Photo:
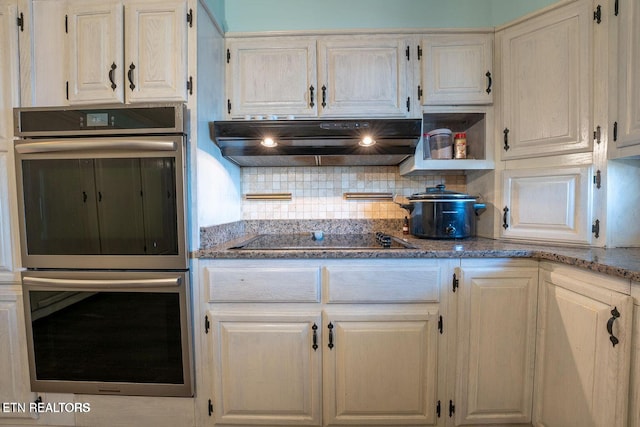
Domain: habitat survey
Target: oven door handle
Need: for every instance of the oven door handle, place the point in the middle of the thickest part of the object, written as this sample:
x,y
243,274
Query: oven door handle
x,y
103,284
94,145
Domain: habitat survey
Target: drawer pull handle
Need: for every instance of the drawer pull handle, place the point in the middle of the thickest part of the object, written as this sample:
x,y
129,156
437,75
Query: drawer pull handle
x,y
315,337
330,327
312,103
324,96
112,76
614,315
490,83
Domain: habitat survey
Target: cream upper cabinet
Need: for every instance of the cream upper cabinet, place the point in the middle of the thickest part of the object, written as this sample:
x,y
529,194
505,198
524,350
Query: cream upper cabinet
x,y
380,366
8,70
130,53
271,76
155,51
546,83
548,204
456,69
497,302
267,368
95,51
583,349
332,76
363,76
627,132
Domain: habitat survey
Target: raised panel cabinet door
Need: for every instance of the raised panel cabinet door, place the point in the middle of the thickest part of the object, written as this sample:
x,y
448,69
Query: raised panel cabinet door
x,y
496,344
8,71
546,76
156,51
14,372
457,69
95,41
548,204
363,76
266,369
272,76
582,374
634,396
380,368
628,129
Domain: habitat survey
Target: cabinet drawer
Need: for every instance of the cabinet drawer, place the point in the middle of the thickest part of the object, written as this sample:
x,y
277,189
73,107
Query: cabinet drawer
x,y
227,284
382,285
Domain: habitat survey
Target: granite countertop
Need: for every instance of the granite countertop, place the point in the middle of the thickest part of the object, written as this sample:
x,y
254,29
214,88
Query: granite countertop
x,y
619,262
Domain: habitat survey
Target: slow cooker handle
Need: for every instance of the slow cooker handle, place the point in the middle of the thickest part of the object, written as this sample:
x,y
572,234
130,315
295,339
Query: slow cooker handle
x,y
408,206
479,208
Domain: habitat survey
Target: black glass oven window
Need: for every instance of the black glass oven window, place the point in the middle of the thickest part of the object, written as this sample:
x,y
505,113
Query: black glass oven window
x,y
114,206
107,336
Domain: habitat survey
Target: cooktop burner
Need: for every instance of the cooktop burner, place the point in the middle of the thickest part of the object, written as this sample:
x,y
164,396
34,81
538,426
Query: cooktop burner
x,y
328,241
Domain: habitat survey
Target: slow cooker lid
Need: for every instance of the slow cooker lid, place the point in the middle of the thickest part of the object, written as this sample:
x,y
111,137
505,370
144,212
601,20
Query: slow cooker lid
x,y
439,192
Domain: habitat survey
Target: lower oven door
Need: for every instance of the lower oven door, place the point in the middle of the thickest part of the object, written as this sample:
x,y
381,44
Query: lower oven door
x,y
123,333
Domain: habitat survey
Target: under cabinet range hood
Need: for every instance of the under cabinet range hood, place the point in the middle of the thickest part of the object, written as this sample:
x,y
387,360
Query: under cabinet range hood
x,y
344,142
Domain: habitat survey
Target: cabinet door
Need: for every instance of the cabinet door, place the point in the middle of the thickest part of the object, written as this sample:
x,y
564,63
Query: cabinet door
x,y
629,75
14,373
8,71
496,343
95,51
156,51
548,204
266,369
581,375
363,76
272,76
380,368
546,72
457,69
634,396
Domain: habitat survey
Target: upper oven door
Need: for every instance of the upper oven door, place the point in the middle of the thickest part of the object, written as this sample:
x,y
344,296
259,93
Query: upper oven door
x,y
102,203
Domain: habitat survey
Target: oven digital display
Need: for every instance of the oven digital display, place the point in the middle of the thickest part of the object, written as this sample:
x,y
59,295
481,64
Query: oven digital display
x,y
97,119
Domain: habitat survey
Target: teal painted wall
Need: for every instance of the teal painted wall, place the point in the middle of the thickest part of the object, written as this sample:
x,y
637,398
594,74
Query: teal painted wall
x,y
290,15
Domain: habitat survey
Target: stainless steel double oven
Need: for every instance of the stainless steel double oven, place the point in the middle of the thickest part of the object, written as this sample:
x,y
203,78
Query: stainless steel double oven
x,y
101,199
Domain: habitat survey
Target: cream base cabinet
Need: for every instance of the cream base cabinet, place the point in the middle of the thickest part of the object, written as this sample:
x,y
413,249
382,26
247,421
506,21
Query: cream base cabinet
x,y
627,137
546,83
271,76
457,69
634,395
380,366
266,368
136,52
364,76
548,204
583,349
497,301
14,371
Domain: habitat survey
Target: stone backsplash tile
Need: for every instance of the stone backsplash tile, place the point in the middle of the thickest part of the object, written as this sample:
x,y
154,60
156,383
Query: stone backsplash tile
x,y
318,192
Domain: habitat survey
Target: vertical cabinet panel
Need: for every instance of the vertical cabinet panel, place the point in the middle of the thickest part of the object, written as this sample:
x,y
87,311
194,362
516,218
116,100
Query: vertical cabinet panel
x,y
8,71
629,75
581,377
381,368
273,76
363,76
14,374
95,51
6,256
548,204
455,68
634,396
496,344
546,71
156,46
266,370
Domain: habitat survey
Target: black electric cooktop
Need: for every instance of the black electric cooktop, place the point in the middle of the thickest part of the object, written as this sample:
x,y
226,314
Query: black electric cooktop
x,y
328,241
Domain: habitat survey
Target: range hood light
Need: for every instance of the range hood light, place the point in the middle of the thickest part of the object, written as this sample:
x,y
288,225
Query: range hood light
x,y
269,142
367,141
